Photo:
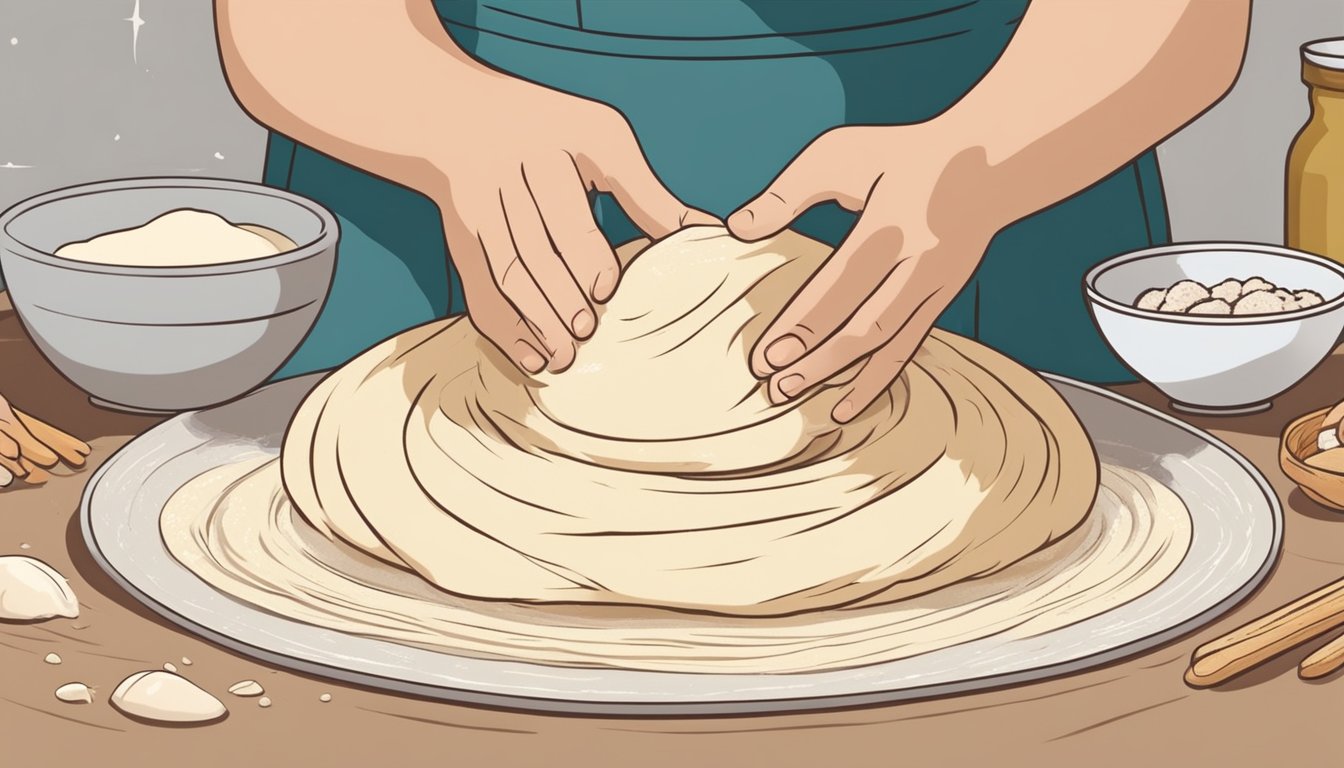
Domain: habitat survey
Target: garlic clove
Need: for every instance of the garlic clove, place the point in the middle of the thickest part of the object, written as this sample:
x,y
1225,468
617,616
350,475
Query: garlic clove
x,y
166,697
1327,440
31,590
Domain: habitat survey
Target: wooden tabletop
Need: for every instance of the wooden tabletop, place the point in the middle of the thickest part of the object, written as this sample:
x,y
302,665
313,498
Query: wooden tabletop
x,y
1136,711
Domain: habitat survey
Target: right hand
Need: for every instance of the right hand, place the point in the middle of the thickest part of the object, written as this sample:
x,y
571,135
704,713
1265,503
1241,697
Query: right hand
x,y
513,186
29,447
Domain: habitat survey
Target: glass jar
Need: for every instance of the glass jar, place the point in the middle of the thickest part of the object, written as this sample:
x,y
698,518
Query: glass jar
x,y
1315,186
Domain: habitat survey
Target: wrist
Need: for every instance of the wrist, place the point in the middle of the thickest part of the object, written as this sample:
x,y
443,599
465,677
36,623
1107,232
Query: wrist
x,y
969,180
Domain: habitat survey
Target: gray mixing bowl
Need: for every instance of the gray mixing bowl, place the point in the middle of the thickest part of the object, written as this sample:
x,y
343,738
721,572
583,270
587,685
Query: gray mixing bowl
x,y
166,338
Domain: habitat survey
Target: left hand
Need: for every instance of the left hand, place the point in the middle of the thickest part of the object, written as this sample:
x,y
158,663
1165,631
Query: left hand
x,y
927,213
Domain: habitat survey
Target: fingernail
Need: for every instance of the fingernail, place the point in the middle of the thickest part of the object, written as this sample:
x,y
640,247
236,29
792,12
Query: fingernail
x,y
604,285
528,358
562,358
582,323
844,410
791,384
784,351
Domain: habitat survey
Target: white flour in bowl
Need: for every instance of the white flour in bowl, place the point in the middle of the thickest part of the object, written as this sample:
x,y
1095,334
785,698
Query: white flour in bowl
x,y
180,238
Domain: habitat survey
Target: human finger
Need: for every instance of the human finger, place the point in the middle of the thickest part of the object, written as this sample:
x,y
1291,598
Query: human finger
x,y
487,309
906,303
817,174
849,277
521,290
623,171
886,363
542,262
562,201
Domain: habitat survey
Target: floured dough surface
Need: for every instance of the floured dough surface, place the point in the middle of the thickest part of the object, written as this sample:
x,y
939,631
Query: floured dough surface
x,y
655,471
179,238
650,509
236,529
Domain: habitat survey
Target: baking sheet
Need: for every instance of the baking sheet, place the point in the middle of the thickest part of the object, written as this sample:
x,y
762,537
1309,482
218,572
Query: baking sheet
x,y
1237,520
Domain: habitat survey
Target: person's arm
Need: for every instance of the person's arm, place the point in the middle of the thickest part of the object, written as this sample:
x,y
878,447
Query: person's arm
x,y
382,86
1083,88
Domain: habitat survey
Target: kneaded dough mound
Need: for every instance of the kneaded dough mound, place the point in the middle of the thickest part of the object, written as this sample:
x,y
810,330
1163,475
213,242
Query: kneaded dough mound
x,y
656,472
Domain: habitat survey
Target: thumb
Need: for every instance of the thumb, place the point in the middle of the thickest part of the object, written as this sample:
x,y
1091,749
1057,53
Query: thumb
x,y
795,190
650,205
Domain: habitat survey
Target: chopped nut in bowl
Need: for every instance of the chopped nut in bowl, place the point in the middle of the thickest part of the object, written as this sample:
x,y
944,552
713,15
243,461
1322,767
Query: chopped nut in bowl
x,y
1253,296
1220,328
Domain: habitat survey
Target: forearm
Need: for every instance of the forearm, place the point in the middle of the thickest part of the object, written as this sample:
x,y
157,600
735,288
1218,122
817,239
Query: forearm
x,y
1084,87
340,80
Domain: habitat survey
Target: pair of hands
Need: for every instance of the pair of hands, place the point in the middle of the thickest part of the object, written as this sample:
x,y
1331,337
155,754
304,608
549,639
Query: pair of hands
x,y
29,447
534,263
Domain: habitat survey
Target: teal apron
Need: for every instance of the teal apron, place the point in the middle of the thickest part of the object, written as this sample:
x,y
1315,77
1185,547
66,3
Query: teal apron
x,y
722,94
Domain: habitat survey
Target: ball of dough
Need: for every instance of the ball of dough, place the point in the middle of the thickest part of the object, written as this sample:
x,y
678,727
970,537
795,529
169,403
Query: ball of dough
x,y
1229,290
1258,303
1256,284
1183,295
1211,307
656,472
1151,299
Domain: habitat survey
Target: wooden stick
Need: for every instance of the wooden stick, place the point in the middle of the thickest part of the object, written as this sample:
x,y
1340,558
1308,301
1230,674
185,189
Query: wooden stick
x,y
36,475
1268,636
1325,660
71,449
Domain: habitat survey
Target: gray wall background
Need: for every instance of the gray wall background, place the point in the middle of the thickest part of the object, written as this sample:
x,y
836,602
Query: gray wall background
x,y
85,97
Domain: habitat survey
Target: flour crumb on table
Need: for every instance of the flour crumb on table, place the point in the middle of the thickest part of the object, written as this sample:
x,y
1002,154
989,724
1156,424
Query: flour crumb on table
x,y
166,697
264,702
31,590
25,545
246,688
170,667
324,698
186,662
52,658
75,693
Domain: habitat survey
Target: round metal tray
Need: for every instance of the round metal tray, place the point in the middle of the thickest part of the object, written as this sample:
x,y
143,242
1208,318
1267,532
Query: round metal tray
x,y
1238,526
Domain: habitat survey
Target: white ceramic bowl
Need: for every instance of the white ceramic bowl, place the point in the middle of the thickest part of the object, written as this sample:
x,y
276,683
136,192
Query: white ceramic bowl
x,y
1209,364
166,338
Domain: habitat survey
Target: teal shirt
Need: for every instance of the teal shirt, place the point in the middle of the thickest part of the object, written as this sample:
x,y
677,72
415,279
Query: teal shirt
x,y
722,94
